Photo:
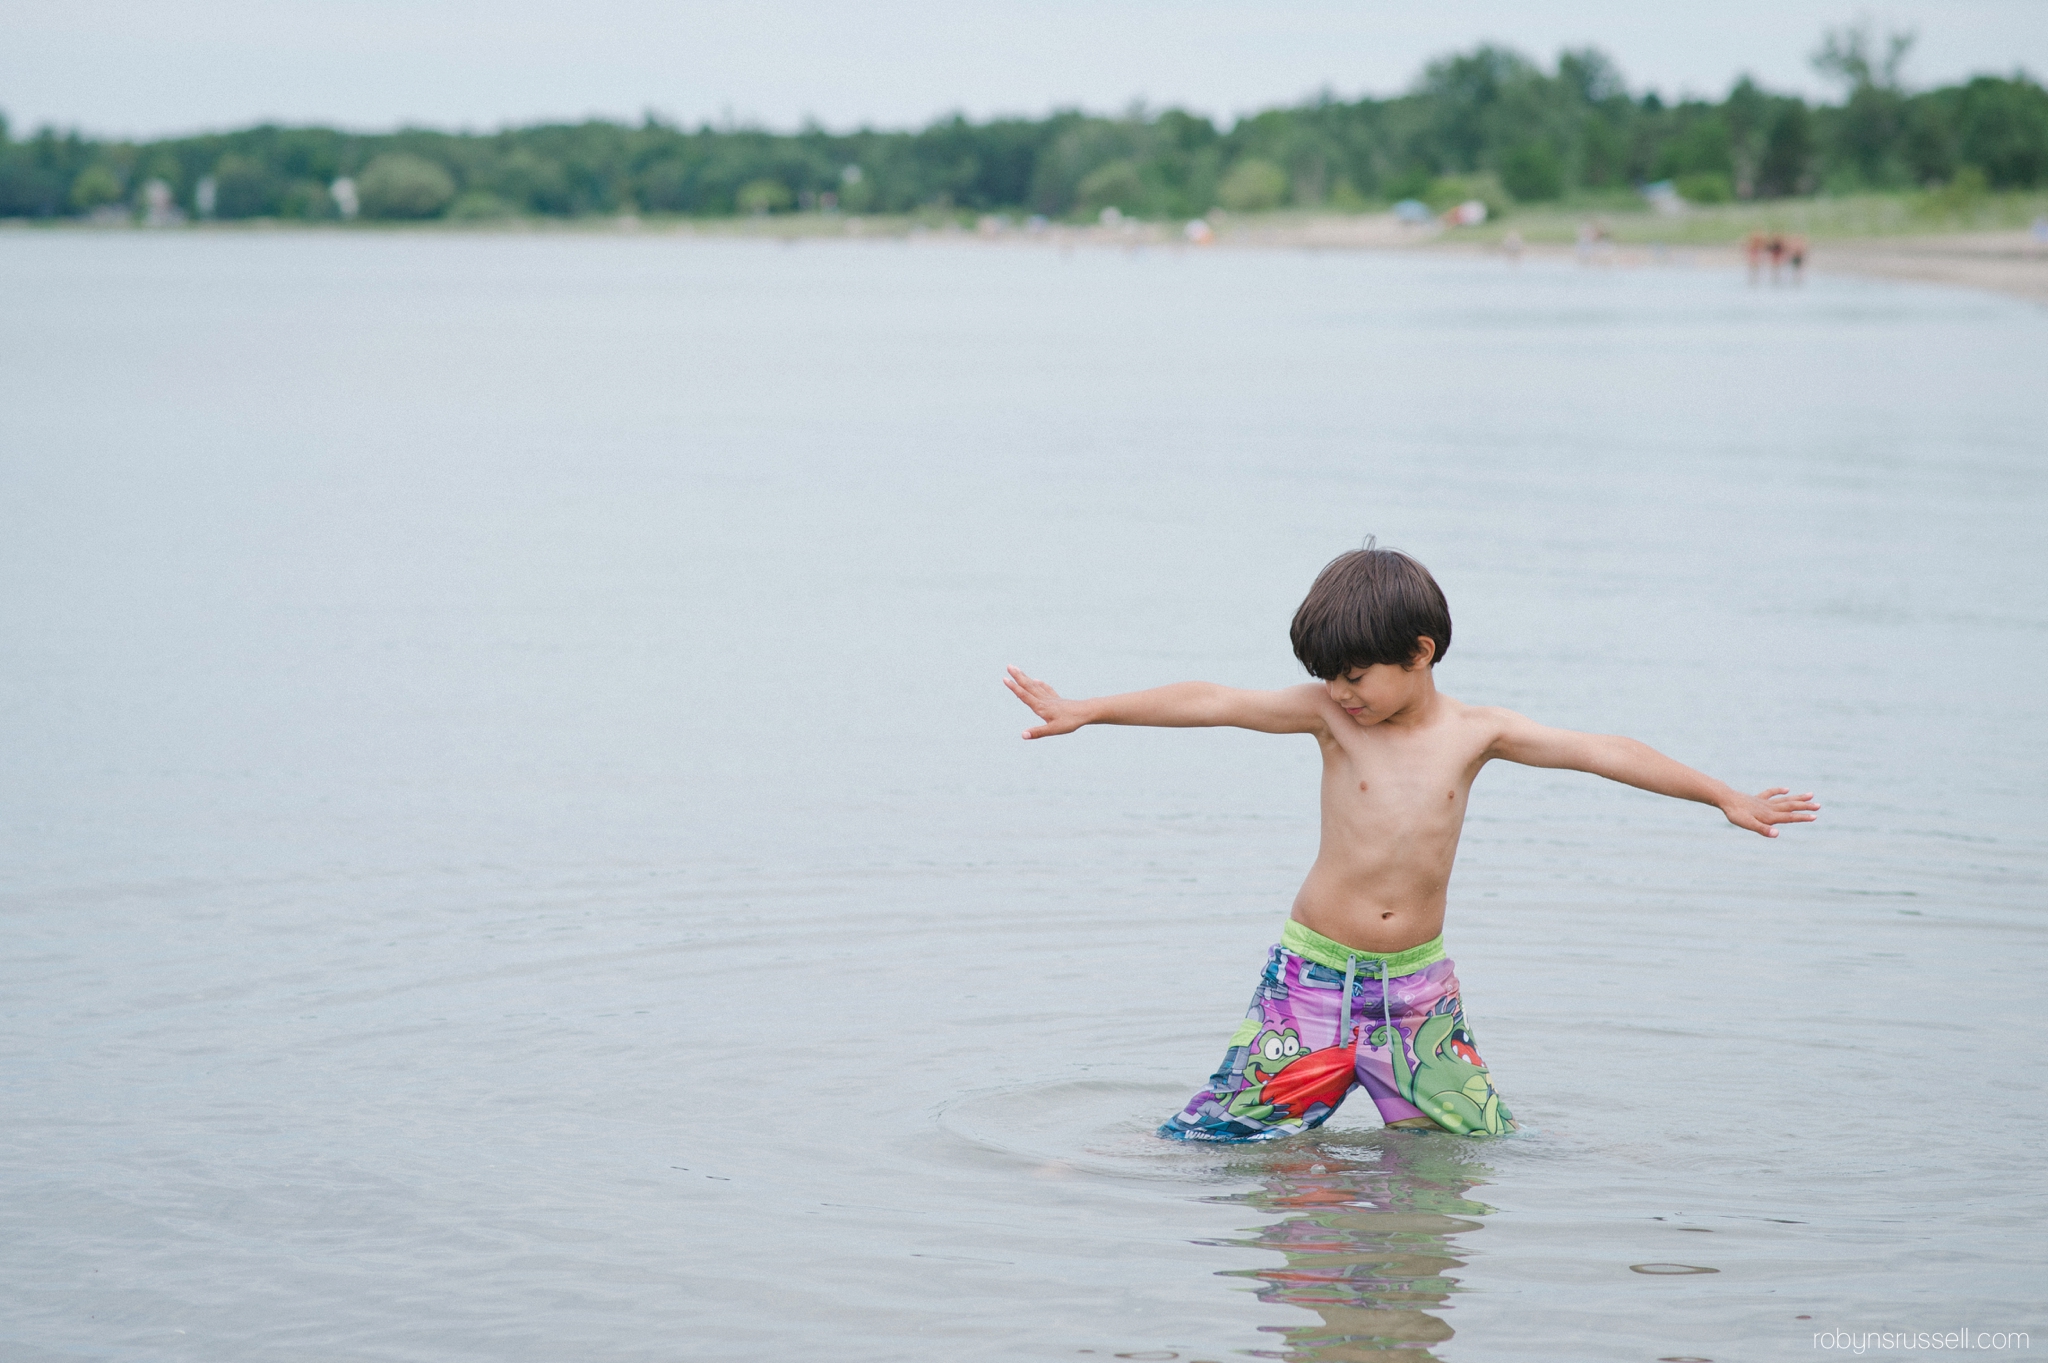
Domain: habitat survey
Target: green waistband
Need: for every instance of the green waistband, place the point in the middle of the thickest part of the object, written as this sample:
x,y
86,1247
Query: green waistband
x,y
1311,945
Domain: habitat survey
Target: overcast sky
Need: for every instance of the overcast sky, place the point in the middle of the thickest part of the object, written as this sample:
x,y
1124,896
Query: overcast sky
x,y
143,67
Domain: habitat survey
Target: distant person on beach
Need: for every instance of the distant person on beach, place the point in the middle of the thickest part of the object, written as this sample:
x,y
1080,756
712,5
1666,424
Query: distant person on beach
x,y
1775,248
1359,991
1795,256
1753,250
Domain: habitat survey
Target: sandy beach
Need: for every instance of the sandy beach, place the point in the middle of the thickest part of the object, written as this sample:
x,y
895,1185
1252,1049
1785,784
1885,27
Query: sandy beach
x,y
2011,262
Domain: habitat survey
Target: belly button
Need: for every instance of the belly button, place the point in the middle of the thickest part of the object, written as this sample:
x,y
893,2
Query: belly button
x,y
1387,915
1361,785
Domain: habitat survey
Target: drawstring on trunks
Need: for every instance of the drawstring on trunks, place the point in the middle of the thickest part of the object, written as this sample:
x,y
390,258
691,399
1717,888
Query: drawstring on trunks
x,y
1344,1026
1386,1003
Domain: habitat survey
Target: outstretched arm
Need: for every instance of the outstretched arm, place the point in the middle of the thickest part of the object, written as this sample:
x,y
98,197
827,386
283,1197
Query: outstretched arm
x,y
1184,705
1640,765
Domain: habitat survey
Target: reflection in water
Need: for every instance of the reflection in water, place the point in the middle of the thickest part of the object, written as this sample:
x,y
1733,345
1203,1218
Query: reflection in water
x,y
1367,1235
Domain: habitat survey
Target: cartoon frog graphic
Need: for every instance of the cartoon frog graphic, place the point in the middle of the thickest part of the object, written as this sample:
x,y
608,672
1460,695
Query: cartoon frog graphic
x,y
1287,1079
1447,1079
1272,1048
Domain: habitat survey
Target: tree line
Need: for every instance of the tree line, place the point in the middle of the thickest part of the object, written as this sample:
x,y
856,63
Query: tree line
x,y
1489,122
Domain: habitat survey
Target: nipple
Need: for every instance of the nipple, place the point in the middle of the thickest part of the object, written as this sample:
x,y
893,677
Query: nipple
x,y
1450,795
1361,785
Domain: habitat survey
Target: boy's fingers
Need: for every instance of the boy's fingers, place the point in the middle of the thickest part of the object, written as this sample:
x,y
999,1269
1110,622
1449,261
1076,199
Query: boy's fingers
x,y
1761,823
1030,697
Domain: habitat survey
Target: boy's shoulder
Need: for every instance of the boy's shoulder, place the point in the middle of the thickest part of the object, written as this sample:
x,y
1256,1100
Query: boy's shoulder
x,y
1465,712
1479,723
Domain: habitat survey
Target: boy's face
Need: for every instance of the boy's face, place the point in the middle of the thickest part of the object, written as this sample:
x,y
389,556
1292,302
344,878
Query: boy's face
x,y
1371,694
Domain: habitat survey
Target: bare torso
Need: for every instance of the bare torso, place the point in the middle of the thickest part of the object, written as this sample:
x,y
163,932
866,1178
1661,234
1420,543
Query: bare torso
x,y
1394,799
1399,757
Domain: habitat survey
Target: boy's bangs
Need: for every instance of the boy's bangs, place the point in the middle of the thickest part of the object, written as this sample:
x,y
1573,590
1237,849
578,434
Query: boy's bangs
x,y
1369,606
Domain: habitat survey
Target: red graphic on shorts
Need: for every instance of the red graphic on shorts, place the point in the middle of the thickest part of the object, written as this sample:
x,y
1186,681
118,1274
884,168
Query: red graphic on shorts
x,y
1318,1077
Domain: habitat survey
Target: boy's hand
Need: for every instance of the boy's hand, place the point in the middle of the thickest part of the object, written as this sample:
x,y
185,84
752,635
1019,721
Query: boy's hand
x,y
1061,716
1758,813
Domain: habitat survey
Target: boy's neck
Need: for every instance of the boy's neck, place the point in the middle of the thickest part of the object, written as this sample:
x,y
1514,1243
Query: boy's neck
x,y
1421,703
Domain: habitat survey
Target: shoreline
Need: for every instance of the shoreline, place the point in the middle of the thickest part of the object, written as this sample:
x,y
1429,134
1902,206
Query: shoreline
x,y
2012,262
2008,261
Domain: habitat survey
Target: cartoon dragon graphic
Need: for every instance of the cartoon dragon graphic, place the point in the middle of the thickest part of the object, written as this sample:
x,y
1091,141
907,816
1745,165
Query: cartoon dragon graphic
x,y
1447,1080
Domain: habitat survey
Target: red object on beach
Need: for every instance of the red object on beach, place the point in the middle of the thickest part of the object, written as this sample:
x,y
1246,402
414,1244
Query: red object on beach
x,y
1319,1077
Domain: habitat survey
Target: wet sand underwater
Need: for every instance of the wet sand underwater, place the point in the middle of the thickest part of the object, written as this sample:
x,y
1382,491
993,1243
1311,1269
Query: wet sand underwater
x,y
517,848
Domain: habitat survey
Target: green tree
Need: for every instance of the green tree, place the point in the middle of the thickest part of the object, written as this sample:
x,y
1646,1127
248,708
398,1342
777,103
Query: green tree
x,y
1704,187
527,181
1252,185
1532,171
306,200
1747,113
479,205
1850,55
1079,147
667,186
1866,132
95,186
1116,185
1787,161
36,175
399,185
244,188
1695,141
2002,128
763,196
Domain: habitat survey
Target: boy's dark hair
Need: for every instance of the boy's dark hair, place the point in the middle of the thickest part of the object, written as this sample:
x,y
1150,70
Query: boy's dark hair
x,y
1369,606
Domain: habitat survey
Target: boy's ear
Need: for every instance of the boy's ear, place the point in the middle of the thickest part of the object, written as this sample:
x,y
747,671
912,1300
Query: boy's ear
x,y
1425,652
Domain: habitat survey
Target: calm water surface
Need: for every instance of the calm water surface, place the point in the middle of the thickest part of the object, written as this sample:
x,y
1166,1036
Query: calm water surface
x,y
514,848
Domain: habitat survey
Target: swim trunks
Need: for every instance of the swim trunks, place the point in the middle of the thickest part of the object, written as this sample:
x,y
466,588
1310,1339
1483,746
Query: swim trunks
x,y
1326,1018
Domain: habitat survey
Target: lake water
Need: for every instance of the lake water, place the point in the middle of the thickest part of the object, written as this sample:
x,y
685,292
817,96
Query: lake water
x,y
515,849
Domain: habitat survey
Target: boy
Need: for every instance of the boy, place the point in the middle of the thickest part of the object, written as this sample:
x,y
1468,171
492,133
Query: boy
x,y
1358,990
